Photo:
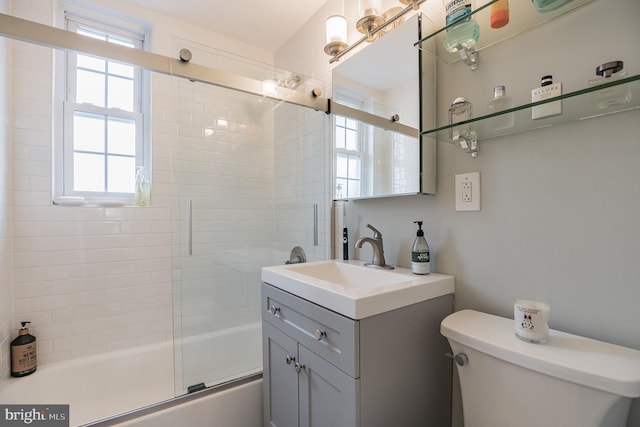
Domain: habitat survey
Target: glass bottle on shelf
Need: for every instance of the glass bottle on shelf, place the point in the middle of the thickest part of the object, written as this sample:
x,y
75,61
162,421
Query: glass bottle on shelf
x,y
543,6
616,95
466,32
501,102
499,14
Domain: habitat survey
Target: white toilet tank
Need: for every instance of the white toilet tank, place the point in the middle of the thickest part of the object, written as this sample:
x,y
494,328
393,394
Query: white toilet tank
x,y
570,381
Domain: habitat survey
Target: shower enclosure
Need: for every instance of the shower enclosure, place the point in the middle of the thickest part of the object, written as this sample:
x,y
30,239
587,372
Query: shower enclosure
x,y
238,179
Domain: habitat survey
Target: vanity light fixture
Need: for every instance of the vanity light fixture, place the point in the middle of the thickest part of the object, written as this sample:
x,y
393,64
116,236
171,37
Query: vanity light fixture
x,y
336,34
389,14
371,18
371,23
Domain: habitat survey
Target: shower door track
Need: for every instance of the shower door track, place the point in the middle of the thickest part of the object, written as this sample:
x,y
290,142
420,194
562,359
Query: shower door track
x,y
179,400
48,36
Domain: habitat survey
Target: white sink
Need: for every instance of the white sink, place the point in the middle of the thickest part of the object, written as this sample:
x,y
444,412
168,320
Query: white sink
x,y
356,291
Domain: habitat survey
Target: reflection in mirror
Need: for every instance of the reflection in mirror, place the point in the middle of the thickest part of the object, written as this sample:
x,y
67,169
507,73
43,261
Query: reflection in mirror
x,y
382,79
373,162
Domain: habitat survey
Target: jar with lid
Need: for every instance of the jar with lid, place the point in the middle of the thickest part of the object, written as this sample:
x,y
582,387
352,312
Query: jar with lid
x,y
609,72
500,102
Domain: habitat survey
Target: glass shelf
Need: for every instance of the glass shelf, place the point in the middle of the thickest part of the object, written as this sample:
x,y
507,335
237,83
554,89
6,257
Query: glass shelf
x,y
576,105
522,16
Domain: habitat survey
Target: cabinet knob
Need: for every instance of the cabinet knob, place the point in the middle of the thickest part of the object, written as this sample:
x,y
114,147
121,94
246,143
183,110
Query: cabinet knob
x,y
298,367
274,310
289,359
318,334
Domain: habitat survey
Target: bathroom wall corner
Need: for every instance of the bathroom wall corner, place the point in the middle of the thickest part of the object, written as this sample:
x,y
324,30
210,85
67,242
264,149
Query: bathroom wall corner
x,y
5,194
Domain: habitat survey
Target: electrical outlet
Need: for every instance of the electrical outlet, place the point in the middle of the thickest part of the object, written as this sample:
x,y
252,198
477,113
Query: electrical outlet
x,y
468,191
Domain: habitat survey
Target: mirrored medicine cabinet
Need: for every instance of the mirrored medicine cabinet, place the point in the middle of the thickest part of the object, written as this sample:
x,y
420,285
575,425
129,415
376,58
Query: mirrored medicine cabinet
x,y
383,96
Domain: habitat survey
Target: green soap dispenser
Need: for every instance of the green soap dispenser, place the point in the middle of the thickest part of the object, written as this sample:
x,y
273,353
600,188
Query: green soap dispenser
x,y
420,255
23,353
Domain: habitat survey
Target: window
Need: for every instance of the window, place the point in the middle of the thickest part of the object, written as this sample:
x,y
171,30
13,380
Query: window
x,y
348,157
103,136
349,148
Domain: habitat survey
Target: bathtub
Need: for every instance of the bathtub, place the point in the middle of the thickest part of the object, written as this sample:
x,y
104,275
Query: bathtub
x,y
114,386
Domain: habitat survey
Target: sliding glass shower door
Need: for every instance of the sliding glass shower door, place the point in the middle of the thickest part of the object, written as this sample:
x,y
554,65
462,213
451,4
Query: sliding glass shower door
x,y
222,173
220,148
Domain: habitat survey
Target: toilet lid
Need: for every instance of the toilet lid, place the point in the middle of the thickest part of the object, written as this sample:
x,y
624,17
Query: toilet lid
x,y
573,358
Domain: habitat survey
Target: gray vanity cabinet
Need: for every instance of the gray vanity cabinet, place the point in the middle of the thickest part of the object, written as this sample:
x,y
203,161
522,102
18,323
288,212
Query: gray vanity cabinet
x,y
281,409
318,395
322,369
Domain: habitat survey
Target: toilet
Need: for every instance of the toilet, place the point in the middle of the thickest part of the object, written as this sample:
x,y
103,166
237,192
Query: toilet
x,y
570,381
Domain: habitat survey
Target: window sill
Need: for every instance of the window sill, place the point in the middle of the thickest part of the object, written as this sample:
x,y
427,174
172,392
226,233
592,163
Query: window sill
x,y
104,203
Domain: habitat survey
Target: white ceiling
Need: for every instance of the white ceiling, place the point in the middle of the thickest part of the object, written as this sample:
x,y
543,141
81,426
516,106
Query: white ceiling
x,y
266,24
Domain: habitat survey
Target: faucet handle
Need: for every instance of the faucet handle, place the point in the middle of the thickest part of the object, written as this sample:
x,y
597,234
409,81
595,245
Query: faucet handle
x,y
376,233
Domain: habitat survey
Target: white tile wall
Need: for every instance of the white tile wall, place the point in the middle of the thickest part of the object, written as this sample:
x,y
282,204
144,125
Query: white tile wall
x,y
6,325
300,182
303,156
225,154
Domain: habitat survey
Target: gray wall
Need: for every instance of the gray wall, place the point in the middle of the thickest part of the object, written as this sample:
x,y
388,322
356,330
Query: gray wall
x,y
560,206
559,222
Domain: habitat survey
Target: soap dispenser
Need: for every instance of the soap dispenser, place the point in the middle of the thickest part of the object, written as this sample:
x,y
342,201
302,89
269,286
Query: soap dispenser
x,y
23,353
420,255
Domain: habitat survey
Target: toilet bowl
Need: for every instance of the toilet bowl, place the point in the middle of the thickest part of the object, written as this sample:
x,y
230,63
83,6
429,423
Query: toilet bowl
x,y
571,381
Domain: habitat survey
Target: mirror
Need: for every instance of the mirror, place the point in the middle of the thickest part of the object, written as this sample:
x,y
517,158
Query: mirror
x,y
384,80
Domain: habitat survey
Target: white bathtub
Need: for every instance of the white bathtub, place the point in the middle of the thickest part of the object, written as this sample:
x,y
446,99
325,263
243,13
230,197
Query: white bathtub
x,y
239,406
103,386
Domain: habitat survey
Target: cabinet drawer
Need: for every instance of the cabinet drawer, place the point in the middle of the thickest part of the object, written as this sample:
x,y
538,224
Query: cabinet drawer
x,y
330,335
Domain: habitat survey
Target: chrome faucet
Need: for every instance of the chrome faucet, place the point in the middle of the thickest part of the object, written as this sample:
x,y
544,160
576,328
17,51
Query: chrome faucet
x,y
378,250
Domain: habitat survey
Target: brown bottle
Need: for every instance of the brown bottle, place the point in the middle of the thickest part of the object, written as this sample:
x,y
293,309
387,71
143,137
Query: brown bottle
x,y
23,353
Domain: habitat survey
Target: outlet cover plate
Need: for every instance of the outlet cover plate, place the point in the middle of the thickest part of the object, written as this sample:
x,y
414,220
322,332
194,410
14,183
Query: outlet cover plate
x,y
468,191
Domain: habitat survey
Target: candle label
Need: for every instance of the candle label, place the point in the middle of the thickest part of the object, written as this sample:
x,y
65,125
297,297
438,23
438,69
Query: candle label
x,y
531,318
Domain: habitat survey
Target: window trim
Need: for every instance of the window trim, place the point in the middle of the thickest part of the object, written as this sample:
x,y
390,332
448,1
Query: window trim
x,y
69,109
353,99
348,153
65,104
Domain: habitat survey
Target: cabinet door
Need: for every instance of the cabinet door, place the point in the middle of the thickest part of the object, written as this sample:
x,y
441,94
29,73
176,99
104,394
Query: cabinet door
x,y
280,379
328,396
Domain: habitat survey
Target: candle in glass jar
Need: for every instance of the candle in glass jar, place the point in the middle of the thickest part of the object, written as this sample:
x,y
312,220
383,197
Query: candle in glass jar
x,y
531,320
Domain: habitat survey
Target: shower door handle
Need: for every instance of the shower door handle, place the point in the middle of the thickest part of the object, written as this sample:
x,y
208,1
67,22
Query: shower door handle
x,y
315,224
190,227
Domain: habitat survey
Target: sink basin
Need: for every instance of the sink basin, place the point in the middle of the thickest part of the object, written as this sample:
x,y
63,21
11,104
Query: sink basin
x,y
356,291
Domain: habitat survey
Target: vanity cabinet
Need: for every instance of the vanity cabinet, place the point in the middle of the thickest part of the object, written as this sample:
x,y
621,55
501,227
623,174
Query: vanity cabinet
x,y
304,387
322,369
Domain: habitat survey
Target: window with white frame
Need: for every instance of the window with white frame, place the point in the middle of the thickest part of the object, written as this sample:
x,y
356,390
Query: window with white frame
x,y
103,137
348,157
349,148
